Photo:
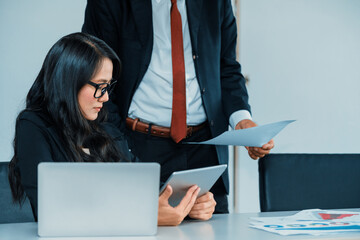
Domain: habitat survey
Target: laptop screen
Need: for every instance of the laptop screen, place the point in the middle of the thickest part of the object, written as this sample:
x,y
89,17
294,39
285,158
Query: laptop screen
x,y
97,199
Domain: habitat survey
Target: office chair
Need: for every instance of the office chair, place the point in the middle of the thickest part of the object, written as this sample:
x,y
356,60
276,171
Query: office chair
x,y
10,212
305,181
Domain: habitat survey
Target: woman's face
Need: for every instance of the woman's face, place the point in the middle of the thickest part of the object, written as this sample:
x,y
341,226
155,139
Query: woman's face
x,y
89,105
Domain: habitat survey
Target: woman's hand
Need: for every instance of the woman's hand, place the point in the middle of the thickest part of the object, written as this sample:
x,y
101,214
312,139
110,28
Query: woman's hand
x,y
204,207
173,216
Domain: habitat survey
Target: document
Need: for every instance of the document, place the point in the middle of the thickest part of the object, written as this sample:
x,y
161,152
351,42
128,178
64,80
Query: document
x,y
312,221
251,137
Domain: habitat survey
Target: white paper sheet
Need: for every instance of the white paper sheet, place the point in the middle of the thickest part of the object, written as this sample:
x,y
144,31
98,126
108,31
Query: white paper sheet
x,y
251,137
312,222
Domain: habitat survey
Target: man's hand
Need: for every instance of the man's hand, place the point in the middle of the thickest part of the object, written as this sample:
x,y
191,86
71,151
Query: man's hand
x,y
173,216
255,152
204,207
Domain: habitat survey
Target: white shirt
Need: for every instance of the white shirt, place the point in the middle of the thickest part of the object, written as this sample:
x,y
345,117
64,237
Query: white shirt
x,y
152,101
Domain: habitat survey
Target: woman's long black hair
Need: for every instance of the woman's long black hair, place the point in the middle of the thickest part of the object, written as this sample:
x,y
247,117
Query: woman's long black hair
x,y
68,66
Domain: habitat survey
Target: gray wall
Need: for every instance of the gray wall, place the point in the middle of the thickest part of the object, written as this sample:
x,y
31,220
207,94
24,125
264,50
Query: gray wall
x,y
28,29
303,61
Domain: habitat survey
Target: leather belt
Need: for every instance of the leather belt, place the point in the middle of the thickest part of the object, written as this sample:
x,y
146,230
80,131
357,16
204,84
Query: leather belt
x,y
158,131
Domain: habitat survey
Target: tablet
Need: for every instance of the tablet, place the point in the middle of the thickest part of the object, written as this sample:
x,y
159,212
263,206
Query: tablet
x,y
180,181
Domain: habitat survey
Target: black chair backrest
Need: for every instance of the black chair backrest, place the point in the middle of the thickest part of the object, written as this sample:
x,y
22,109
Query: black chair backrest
x,y
10,212
304,181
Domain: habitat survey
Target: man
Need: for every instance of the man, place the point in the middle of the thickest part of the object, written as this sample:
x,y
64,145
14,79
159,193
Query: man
x,y
180,80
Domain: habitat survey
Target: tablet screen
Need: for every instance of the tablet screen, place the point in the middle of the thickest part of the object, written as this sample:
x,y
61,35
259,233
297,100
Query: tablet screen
x,y
181,181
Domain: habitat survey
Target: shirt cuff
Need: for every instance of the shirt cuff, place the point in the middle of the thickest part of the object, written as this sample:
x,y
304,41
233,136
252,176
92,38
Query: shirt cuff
x,y
237,116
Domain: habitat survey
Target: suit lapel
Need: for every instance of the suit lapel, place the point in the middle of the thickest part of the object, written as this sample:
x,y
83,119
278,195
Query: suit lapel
x,y
142,12
193,9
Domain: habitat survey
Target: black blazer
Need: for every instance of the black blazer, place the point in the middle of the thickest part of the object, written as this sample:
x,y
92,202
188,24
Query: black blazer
x,y
37,141
126,25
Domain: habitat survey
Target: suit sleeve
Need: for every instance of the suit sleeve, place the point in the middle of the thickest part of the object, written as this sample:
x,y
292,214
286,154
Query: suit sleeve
x,y
234,93
99,22
32,147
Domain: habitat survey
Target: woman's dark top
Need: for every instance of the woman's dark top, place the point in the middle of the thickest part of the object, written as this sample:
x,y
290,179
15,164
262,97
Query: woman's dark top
x,y
38,141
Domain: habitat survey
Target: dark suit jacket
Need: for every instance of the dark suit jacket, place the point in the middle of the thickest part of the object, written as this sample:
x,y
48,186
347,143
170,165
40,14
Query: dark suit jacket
x,y
37,141
126,25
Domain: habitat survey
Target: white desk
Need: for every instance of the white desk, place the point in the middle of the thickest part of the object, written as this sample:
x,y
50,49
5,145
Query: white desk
x,y
224,226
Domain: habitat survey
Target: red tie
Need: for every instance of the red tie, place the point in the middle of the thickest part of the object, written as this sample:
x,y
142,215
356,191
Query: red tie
x,y
178,117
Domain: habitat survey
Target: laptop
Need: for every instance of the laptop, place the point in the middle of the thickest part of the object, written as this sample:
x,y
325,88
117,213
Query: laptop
x,y
97,199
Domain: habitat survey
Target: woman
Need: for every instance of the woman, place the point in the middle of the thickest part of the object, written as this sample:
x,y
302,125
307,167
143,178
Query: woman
x,y
64,120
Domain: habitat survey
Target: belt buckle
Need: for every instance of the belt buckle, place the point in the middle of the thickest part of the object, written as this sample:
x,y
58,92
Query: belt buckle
x,y
133,127
189,131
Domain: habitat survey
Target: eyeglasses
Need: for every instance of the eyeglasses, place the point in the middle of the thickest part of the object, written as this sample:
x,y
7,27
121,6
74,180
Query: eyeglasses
x,y
100,89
